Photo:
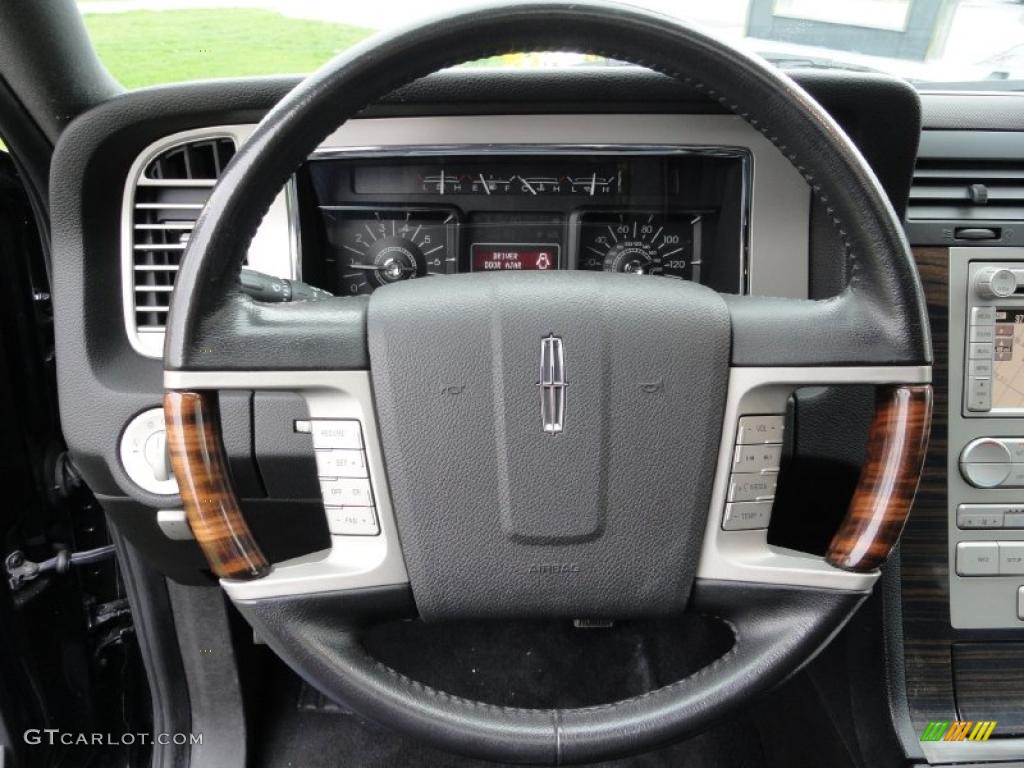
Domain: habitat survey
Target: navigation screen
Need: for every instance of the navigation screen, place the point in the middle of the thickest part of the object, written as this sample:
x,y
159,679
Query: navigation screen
x,y
1008,359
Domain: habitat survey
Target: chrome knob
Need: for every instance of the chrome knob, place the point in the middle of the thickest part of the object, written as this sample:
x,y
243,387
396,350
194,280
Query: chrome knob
x,y
995,283
155,453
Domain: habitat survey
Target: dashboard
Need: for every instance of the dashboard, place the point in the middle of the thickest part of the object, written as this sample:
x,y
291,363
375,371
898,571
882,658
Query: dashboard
x,y
619,172
678,213
698,197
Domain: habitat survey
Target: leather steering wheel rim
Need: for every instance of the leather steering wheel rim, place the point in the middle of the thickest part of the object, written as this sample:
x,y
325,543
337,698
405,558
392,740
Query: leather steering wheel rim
x,y
879,319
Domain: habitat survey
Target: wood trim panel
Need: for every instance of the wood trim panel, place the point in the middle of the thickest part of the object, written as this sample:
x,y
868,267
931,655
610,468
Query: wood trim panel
x,y
924,565
888,480
989,680
200,465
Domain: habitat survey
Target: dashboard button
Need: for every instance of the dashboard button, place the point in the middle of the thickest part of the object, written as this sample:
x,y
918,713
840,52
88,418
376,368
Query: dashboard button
x,y
1011,558
985,475
983,333
760,429
969,516
347,493
757,458
979,403
986,450
337,433
747,515
352,521
1013,519
752,487
980,368
979,387
1016,477
341,463
981,351
983,315
1016,448
977,558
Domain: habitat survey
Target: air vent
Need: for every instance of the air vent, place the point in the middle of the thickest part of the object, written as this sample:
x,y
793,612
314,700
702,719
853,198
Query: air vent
x,y
169,195
958,190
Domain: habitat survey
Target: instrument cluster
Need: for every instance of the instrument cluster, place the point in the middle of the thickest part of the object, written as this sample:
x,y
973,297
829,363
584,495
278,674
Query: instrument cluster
x,y
380,220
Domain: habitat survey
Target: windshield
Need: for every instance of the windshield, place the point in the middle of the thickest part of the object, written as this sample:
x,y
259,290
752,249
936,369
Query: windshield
x,y
938,44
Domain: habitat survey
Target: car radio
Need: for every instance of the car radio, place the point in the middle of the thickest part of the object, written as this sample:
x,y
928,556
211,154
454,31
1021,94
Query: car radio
x,y
986,438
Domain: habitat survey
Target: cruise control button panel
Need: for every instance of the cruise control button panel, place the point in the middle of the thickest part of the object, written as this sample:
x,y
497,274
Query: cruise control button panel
x,y
344,474
755,471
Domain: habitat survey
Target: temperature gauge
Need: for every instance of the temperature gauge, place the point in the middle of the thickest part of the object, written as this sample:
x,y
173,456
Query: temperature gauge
x,y
595,185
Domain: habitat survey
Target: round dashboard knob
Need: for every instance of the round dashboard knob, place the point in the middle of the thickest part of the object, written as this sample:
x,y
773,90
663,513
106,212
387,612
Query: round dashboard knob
x,y
144,453
985,462
995,283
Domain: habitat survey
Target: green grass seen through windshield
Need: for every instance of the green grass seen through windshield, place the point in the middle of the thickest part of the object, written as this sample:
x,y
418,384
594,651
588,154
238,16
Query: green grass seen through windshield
x,y
143,48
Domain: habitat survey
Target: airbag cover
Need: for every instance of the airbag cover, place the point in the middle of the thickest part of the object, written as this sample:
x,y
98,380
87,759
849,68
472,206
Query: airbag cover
x,y
500,517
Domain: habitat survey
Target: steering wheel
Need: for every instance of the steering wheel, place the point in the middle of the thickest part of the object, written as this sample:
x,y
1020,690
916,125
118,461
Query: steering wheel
x,y
501,494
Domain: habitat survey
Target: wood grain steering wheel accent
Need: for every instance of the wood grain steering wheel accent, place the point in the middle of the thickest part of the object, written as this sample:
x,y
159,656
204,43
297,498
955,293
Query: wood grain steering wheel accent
x,y
200,465
896,448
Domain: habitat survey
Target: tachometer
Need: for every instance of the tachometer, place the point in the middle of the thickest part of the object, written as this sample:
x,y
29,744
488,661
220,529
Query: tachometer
x,y
641,243
372,248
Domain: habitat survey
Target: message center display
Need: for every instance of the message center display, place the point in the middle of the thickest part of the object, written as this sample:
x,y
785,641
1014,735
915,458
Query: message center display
x,y
501,257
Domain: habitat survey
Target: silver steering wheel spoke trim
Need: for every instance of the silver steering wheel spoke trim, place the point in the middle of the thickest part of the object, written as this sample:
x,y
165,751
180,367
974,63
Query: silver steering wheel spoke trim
x,y
361,562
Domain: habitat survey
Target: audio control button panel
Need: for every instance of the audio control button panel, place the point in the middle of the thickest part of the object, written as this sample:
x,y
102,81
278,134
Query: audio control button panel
x,y
755,472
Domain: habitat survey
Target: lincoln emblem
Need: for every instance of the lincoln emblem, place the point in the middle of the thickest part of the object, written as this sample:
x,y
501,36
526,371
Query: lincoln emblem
x,y
552,384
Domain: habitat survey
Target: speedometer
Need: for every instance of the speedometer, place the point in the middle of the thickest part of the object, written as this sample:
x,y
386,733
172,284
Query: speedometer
x,y
641,243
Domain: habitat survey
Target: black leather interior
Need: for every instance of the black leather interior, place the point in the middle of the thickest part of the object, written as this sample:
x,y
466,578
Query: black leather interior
x,y
95,152
776,630
879,318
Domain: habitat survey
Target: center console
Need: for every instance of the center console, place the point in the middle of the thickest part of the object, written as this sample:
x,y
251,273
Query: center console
x,y
986,433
